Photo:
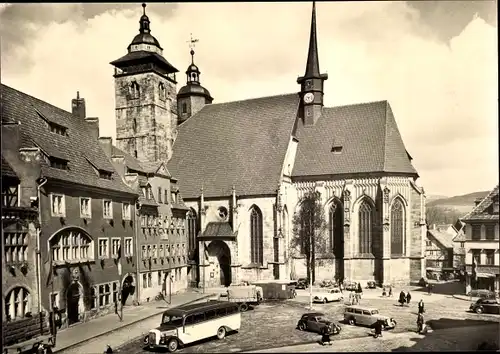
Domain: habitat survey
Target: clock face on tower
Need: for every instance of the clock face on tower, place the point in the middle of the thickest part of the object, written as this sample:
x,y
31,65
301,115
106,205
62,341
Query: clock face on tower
x,y
308,97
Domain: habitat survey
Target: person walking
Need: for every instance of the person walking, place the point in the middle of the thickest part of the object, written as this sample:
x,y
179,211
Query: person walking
x,y
402,298
390,290
421,309
384,293
408,298
420,323
326,333
378,329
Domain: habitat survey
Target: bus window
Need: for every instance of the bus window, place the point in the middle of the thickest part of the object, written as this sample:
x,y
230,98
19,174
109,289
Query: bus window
x,y
221,312
209,315
199,317
189,320
172,320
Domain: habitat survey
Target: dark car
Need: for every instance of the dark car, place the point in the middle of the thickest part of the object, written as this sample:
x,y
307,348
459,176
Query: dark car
x,y
371,285
302,283
315,322
486,306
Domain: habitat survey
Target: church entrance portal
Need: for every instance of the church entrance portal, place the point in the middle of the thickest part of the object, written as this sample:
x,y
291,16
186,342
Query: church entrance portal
x,y
73,300
219,271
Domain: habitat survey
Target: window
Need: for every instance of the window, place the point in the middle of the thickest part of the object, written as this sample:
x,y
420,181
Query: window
x,y
184,108
159,195
134,90
85,208
428,243
256,238
103,248
16,247
17,304
165,197
107,209
134,128
162,92
149,193
490,257
397,228
105,174
58,129
115,247
336,228
144,252
161,253
476,232
126,215
71,245
476,256
58,205
365,215
104,295
60,164
144,280
154,252
93,298
54,300
129,250
191,221
462,244
10,195
150,278
174,197
490,232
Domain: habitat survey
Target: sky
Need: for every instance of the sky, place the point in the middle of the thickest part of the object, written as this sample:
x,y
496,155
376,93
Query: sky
x,y
436,63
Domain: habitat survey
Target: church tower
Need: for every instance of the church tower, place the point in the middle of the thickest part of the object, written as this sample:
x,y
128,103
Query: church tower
x,y
192,97
145,98
312,83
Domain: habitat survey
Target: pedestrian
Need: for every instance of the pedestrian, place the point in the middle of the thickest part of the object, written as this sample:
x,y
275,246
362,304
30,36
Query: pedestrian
x,y
378,329
421,309
384,294
108,350
360,289
420,323
358,298
326,335
402,298
341,287
429,288
390,290
408,298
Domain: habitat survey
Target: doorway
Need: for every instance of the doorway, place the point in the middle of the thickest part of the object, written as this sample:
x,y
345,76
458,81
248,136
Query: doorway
x,y
128,290
73,302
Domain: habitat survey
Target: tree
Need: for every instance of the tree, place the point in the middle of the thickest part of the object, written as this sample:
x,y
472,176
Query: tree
x,y
441,215
309,231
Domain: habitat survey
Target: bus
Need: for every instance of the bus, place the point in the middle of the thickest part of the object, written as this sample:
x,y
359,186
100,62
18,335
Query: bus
x,y
191,323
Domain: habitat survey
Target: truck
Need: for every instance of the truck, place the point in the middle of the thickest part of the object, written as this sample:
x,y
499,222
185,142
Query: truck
x,y
243,295
28,335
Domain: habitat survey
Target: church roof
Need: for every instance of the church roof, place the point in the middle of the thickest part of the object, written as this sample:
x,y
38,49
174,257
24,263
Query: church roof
x,y
367,134
142,55
483,211
240,143
78,147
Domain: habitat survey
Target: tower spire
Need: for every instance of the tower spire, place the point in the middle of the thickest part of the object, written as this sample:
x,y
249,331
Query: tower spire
x,y
312,66
144,21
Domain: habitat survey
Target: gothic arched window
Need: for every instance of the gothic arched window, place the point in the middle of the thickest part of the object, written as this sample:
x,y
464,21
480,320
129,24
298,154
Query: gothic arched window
x,y
17,304
397,228
191,221
256,236
365,215
72,245
335,227
134,89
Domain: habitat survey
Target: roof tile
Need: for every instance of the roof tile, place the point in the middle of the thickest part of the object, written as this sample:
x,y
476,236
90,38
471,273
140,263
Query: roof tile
x,y
483,211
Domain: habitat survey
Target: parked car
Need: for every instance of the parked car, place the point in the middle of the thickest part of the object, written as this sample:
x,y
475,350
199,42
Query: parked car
x,y
328,283
315,322
486,306
302,283
328,295
366,316
351,286
483,294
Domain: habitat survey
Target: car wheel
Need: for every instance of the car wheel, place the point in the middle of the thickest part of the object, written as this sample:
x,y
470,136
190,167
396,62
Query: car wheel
x,y
146,340
221,333
302,326
479,310
352,321
173,344
243,307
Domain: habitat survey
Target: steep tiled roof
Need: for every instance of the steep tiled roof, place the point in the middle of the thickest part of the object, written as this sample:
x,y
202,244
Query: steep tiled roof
x,y
460,237
443,238
483,211
130,161
369,137
239,143
218,229
76,147
7,170
145,57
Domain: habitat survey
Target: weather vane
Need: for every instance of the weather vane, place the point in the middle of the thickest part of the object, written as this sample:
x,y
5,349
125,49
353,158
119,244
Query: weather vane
x,y
192,42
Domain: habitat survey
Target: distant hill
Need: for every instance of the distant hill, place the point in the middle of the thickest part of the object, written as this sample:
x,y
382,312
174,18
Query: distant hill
x,y
431,198
462,203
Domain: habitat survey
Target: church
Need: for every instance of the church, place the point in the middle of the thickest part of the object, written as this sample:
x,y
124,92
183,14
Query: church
x,y
243,168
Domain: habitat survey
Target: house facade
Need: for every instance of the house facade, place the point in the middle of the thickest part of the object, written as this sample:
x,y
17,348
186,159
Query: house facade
x,y
482,243
439,249
85,210
244,167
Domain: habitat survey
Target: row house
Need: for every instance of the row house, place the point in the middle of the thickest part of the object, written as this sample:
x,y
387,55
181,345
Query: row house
x,y
85,210
482,244
161,224
438,249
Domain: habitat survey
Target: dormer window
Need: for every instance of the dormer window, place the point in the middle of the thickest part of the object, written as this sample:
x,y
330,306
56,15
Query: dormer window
x,y
337,149
134,89
184,108
105,174
58,163
57,129
174,197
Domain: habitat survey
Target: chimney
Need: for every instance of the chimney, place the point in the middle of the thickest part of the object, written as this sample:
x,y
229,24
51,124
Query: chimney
x,y
78,106
495,204
93,126
477,201
106,143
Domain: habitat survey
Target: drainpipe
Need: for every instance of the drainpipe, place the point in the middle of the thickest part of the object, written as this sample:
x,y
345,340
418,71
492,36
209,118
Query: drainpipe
x,y
41,182
137,270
